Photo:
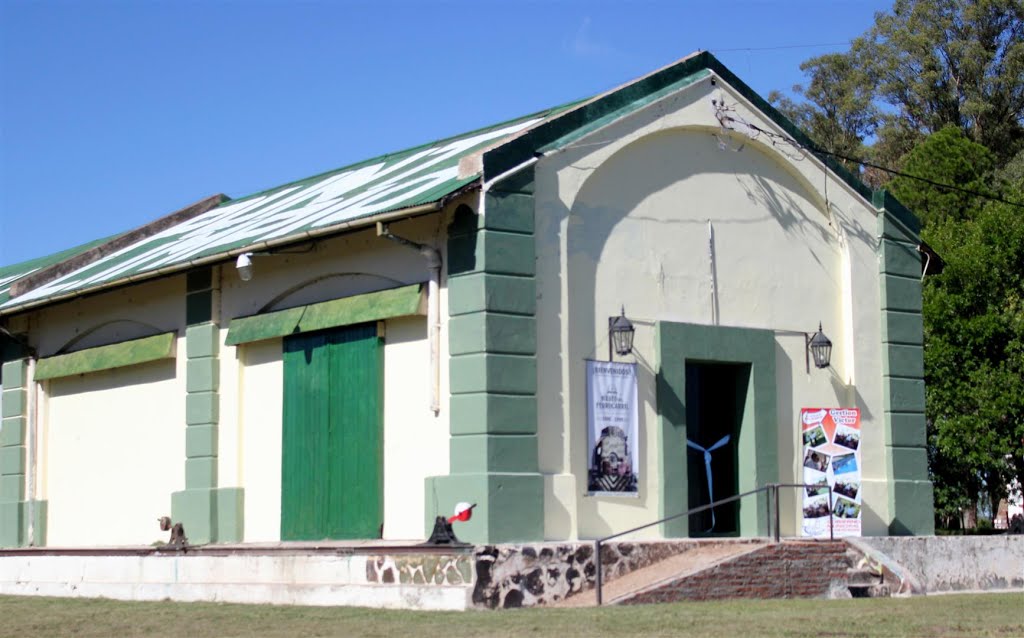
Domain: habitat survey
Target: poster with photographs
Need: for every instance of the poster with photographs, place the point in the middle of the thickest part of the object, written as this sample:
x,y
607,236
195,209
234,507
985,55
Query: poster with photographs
x,y
612,440
831,457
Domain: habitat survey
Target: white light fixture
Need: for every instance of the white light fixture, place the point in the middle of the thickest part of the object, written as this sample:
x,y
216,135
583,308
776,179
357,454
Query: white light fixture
x,y
244,266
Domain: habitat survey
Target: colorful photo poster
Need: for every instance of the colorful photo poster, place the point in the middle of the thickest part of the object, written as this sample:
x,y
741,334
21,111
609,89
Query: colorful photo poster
x,y
830,453
612,418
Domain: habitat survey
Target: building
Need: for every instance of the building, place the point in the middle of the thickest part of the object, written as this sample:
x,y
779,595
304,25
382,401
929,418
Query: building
x,y
412,331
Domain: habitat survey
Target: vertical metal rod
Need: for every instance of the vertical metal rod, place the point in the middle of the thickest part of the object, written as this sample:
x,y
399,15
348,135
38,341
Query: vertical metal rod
x,y
768,510
777,522
597,563
610,319
831,518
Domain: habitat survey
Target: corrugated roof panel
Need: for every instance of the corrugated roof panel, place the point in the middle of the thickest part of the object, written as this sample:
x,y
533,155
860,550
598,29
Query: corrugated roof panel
x,y
14,272
420,175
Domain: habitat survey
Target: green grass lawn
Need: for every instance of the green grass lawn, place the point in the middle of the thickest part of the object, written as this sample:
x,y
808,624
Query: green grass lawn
x,y
952,615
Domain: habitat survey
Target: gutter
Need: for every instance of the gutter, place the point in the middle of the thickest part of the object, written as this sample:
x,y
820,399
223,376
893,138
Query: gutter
x,y
235,252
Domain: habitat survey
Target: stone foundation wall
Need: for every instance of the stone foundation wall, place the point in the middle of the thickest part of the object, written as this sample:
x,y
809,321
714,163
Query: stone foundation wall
x,y
527,575
793,569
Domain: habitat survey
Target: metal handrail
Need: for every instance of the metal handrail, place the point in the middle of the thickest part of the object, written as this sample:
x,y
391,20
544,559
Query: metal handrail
x,y
771,488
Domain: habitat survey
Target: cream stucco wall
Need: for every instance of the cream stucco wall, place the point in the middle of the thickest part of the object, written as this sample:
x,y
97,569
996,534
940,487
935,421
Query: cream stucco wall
x,y
623,219
111,448
251,401
113,451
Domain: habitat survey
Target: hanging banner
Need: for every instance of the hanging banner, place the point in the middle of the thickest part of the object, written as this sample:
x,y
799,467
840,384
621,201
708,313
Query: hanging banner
x,y
831,458
612,439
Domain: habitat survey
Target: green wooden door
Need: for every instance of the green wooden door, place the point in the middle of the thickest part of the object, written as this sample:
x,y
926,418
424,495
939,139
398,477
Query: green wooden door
x,y
331,465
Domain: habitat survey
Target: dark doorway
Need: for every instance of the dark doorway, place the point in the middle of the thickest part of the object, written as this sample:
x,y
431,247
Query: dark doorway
x,y
715,397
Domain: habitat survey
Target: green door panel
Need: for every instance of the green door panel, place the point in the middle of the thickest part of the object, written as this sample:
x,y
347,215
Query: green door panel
x,y
331,466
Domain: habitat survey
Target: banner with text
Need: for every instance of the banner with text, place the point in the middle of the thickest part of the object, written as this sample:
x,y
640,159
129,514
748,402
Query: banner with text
x,y
831,458
612,419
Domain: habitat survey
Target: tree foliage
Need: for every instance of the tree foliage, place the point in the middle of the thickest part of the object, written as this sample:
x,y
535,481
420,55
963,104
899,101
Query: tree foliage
x,y
947,157
935,89
974,354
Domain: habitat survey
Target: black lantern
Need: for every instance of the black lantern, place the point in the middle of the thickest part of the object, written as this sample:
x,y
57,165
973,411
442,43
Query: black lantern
x,y
620,335
819,347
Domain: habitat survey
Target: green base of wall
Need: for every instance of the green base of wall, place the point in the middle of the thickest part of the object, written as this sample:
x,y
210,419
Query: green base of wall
x,y
210,515
510,507
915,511
14,524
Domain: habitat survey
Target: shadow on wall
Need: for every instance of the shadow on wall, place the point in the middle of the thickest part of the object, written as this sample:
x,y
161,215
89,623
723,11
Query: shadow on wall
x,y
140,374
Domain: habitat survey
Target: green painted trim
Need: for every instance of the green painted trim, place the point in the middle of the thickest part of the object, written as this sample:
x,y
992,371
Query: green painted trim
x,y
898,258
678,343
493,251
210,515
903,328
484,292
903,395
41,516
14,403
489,413
14,374
196,510
493,453
498,373
201,473
202,341
627,109
198,307
912,504
906,429
115,355
901,293
510,204
13,431
510,507
230,515
202,408
12,460
12,524
12,488
200,441
562,129
903,361
492,332
374,306
908,463
202,375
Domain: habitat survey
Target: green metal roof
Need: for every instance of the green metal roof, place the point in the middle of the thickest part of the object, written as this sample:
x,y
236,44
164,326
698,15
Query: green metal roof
x,y
421,175
396,181
14,272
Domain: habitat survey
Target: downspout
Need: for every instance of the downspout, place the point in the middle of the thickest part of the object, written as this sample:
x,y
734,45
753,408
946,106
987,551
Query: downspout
x,y
31,413
433,258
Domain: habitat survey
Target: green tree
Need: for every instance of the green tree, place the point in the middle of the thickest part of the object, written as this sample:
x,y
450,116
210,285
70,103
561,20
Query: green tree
x,y
942,62
947,157
837,108
974,354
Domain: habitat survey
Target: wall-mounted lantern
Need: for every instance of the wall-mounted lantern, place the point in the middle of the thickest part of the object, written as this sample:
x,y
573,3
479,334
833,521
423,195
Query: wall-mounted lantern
x,y
819,347
620,335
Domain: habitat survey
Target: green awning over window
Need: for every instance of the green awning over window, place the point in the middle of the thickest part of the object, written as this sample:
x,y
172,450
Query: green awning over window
x,y
372,306
115,355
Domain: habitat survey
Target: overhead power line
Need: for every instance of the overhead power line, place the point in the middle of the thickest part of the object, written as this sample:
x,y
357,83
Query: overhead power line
x,y
892,171
784,46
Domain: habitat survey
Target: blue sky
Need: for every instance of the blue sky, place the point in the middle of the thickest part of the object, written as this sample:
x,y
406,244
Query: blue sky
x,y
113,113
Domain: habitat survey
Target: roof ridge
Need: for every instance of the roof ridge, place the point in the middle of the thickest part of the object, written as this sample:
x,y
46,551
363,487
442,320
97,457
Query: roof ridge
x,y
365,162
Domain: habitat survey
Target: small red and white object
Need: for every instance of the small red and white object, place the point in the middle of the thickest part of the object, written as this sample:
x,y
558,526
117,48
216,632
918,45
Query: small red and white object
x,y
463,512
